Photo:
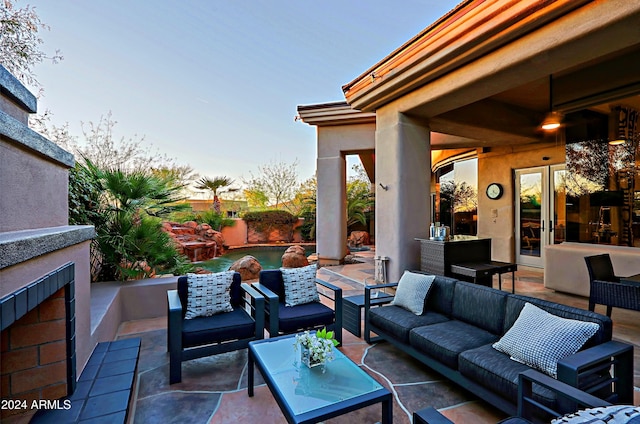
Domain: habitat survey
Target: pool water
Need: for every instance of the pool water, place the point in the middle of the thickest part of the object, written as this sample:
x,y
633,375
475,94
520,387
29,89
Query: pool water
x,y
269,258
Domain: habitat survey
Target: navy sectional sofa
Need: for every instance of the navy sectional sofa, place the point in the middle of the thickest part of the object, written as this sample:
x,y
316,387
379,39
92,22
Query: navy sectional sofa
x,y
462,320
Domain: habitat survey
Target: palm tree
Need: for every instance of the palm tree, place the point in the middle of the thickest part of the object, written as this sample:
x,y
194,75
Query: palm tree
x,y
206,183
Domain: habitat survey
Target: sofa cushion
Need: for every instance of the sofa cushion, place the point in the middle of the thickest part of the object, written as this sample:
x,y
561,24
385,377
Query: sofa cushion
x,y
515,303
446,340
539,339
412,291
300,285
440,298
208,294
397,322
481,306
494,370
236,324
304,316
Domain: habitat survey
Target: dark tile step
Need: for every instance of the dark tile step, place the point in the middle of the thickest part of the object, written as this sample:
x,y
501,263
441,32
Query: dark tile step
x,y
104,389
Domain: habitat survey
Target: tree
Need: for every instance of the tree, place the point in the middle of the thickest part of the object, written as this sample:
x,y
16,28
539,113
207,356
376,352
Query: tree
x,y
306,198
214,185
359,197
20,42
460,195
277,182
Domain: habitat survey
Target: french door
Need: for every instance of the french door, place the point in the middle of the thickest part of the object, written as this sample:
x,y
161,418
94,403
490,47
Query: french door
x,y
540,212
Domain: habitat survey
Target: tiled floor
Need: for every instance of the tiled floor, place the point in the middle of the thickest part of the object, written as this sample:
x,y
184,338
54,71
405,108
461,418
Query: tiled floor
x,y
213,390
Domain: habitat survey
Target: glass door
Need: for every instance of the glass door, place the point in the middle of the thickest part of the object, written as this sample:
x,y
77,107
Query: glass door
x,y
530,216
540,212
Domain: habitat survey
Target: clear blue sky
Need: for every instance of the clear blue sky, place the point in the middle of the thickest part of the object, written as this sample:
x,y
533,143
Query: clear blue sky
x,y
215,84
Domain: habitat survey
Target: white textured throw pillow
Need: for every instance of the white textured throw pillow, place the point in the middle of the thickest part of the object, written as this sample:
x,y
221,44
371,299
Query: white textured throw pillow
x,y
300,285
539,339
616,414
208,294
412,290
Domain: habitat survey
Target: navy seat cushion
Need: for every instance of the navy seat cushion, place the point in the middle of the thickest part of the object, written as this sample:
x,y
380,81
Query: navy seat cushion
x,y
494,370
308,315
234,325
481,306
398,322
236,291
445,341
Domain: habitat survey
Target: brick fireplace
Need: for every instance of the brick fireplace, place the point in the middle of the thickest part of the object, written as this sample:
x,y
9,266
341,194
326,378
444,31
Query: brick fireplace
x,y
38,341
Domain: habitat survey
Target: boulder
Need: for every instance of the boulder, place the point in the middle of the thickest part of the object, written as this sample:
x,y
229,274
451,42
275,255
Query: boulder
x,y
294,257
358,238
248,267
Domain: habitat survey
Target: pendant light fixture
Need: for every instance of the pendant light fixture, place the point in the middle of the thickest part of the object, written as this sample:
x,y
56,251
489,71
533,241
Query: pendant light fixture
x,y
553,119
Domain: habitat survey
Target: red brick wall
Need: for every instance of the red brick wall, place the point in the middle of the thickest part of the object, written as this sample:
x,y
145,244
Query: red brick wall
x,y
33,355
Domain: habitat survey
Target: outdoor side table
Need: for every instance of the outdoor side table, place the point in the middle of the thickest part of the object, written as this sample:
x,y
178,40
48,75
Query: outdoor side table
x,y
483,272
352,311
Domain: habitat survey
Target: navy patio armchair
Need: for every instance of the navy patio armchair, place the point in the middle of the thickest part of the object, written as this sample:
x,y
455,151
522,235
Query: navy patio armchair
x,y
211,335
283,319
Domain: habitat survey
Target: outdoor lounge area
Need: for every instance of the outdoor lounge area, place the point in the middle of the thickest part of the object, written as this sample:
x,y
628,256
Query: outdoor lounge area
x,y
214,389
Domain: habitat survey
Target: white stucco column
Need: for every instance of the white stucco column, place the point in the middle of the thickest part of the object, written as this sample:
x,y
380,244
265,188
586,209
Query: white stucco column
x,y
331,210
403,173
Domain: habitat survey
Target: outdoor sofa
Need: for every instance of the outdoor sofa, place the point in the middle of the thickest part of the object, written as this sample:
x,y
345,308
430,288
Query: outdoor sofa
x,y
461,321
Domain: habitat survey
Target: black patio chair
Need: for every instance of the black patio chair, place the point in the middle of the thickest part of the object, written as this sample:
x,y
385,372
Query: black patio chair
x,y
204,336
607,289
284,319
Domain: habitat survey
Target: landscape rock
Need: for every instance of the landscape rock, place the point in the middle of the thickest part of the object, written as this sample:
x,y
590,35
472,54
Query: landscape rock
x,y
294,257
358,238
248,267
198,242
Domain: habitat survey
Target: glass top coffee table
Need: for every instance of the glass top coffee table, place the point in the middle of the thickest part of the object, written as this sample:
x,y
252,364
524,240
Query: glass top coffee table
x,y
309,395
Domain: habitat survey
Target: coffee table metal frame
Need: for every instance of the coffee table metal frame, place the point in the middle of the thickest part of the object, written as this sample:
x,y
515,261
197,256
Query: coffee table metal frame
x,y
334,409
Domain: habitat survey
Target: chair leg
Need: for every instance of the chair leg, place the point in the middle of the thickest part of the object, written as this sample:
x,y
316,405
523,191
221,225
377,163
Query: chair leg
x,y
609,309
175,367
592,306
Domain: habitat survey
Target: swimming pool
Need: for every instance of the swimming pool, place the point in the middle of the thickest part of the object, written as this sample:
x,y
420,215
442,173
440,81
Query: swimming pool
x,y
269,257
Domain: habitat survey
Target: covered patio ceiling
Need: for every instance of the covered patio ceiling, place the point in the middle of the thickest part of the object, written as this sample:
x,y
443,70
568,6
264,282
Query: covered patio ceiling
x,y
497,88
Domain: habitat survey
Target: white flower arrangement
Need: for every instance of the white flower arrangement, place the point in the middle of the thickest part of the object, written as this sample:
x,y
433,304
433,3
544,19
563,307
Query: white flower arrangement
x,y
319,345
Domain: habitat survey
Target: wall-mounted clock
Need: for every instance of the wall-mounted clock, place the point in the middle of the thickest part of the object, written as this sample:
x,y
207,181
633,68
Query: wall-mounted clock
x,y
494,191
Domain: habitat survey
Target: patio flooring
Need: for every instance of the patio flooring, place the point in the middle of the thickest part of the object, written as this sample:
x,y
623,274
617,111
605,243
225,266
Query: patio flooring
x,y
213,389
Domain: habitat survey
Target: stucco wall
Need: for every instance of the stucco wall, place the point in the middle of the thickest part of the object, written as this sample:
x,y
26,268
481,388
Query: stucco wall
x,y
496,217
34,190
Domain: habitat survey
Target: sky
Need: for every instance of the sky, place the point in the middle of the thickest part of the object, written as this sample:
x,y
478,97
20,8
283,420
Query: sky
x,y
216,84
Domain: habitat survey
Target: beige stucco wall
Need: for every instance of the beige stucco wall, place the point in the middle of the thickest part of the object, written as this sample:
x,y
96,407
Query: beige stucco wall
x,y
34,190
496,217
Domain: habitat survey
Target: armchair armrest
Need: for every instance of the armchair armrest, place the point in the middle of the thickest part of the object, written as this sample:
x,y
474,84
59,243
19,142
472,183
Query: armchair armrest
x,y
271,307
599,360
337,306
256,304
174,327
577,398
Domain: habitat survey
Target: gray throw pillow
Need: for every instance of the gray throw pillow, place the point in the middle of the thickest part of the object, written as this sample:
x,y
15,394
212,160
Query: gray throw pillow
x,y
412,290
300,285
539,339
208,294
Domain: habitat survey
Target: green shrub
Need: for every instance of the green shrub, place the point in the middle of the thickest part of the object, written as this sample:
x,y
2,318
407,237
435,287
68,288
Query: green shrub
x,y
215,219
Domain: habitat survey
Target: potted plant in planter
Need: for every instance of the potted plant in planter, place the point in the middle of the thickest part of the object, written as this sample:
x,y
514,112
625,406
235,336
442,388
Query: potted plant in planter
x,y
316,349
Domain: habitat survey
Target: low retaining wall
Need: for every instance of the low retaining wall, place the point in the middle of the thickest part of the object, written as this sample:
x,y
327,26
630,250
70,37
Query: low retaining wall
x,y
566,271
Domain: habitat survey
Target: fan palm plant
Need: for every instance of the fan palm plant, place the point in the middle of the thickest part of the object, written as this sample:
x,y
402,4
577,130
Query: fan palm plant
x,y
131,205
215,184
